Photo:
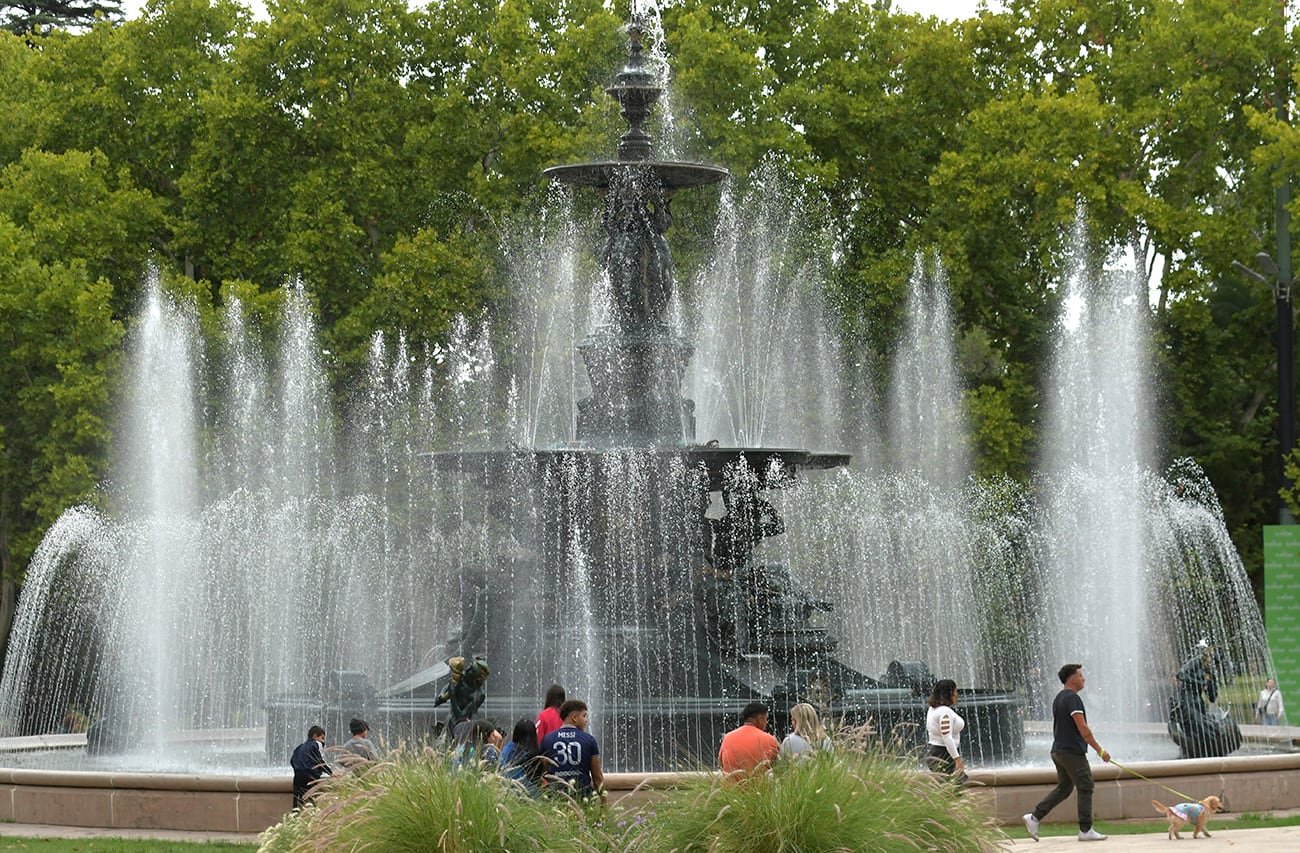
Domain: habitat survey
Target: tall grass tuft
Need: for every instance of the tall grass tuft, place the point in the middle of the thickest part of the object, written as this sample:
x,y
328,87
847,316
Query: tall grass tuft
x,y
842,801
421,803
839,801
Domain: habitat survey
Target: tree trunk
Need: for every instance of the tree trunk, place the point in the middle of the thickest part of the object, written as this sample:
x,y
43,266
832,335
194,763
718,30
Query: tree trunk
x,y
8,604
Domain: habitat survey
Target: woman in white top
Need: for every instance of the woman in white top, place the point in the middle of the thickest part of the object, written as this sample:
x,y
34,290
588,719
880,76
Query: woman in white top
x,y
944,726
809,734
1269,706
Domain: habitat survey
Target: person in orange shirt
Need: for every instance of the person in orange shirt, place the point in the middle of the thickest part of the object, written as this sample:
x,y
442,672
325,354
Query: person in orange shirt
x,y
750,748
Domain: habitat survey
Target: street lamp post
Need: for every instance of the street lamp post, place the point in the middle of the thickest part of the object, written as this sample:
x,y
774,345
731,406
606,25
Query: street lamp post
x,y
1278,277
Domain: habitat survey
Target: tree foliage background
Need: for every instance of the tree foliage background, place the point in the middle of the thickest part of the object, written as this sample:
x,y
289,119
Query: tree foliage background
x,y
374,150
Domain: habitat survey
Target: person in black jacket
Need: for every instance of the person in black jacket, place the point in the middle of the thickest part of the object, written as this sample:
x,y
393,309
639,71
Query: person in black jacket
x,y
308,763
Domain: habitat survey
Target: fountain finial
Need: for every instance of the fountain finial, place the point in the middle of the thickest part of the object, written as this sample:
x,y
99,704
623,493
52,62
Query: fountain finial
x,y
636,91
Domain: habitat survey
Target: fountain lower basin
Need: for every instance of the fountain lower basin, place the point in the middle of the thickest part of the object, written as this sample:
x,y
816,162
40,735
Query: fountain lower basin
x,y
251,803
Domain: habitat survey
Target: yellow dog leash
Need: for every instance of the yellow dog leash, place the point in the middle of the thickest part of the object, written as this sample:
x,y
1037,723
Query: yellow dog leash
x,y
1152,781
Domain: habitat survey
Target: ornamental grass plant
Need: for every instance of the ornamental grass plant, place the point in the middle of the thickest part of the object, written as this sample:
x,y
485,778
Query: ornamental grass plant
x,y
421,802
847,800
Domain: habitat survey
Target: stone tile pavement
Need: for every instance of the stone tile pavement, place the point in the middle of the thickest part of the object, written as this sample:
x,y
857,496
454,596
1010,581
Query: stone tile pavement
x,y
1278,839
1224,838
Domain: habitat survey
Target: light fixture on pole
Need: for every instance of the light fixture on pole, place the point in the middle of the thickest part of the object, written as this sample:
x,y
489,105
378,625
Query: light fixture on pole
x,y
1281,284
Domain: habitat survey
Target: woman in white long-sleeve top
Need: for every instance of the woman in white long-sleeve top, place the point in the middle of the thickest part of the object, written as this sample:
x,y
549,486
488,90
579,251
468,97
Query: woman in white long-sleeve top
x,y
944,727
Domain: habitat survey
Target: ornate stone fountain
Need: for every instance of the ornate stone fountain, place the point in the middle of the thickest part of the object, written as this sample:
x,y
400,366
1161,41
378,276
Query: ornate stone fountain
x,y
629,587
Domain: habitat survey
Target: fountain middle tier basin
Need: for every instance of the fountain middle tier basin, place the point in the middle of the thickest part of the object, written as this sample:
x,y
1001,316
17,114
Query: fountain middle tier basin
x,y
670,175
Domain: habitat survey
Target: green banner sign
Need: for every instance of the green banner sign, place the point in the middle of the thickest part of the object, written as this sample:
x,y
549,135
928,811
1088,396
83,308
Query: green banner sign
x,y
1282,608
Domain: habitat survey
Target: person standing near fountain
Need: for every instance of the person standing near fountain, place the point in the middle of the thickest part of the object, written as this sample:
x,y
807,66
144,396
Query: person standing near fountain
x,y
1269,707
749,748
360,743
309,764
1071,738
944,727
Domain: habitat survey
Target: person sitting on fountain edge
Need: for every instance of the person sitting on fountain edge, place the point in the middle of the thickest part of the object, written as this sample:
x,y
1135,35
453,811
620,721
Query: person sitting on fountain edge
x,y
548,719
809,734
1071,738
480,745
573,754
749,748
309,764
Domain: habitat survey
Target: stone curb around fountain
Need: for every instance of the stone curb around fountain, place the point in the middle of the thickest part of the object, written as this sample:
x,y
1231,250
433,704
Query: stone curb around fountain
x,y
129,802
152,801
1254,783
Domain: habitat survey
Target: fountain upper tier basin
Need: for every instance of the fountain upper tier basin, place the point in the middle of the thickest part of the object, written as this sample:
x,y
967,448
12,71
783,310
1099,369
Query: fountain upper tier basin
x,y
671,175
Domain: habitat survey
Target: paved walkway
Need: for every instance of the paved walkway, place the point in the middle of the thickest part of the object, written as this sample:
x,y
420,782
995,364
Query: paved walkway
x,y
43,830
1281,838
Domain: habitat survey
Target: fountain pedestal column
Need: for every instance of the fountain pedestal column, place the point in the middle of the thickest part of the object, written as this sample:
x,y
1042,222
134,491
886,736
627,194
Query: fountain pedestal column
x,y
636,380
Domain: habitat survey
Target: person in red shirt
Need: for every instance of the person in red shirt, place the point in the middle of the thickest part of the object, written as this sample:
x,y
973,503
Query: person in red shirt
x,y
750,748
549,719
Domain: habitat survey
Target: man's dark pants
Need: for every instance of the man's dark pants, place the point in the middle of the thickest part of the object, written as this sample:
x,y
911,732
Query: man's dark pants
x,y
1072,771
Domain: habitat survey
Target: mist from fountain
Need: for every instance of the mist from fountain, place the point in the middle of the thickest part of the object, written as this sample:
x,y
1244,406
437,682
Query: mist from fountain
x,y
288,565
768,367
224,576
928,431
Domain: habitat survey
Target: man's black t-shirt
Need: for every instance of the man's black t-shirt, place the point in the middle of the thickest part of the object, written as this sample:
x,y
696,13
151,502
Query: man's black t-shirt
x,y
1065,732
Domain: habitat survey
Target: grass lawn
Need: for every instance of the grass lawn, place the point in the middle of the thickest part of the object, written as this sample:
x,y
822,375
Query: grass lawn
x,y
116,845
1245,820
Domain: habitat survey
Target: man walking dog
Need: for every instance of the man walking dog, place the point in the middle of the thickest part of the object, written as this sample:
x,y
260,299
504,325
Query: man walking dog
x,y
1071,738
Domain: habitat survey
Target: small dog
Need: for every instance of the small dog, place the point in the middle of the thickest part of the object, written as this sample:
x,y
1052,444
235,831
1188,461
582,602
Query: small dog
x,y
1185,813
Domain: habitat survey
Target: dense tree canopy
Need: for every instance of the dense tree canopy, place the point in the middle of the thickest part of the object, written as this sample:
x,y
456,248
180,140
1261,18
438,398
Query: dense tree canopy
x,y
373,149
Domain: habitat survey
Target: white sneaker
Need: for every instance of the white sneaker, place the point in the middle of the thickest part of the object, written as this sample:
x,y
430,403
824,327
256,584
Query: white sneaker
x,y
1091,835
1031,824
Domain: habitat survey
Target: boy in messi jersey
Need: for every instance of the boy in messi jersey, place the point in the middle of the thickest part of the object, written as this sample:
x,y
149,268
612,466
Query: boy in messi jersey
x,y
572,755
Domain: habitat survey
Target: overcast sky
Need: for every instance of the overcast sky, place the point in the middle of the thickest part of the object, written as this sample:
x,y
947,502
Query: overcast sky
x,y
949,10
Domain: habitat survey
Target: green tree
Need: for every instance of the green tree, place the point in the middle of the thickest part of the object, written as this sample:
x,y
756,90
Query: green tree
x,y
1141,111
58,352
131,93
34,17
376,151
344,130
68,225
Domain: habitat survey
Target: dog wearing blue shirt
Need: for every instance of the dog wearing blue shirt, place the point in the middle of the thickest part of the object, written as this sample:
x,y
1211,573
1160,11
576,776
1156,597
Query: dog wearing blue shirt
x,y
1193,813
